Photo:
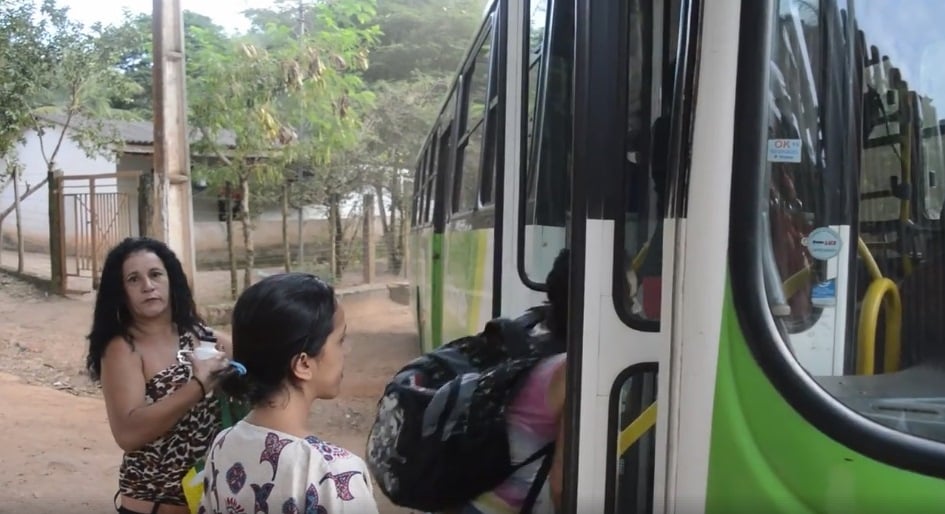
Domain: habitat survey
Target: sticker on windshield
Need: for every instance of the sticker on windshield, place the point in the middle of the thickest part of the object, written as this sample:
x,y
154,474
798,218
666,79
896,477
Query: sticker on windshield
x,y
784,150
824,294
824,243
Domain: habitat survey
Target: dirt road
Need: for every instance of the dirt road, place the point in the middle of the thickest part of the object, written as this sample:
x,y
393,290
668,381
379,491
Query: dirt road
x,y
60,456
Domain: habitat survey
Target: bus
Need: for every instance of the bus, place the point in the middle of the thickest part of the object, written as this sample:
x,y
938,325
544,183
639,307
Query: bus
x,y
752,194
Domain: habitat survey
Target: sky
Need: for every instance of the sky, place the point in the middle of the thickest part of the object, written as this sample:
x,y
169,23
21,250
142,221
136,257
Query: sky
x,y
228,14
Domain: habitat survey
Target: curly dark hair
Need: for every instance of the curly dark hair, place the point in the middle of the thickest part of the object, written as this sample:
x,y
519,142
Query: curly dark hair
x,y
112,318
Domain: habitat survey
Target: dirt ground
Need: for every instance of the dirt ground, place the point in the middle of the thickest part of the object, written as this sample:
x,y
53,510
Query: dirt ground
x,y
60,456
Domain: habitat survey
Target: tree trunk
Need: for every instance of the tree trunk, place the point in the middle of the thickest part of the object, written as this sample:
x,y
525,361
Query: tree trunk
x,y
145,203
19,224
286,253
379,193
402,236
6,212
234,285
301,223
339,241
367,240
56,275
387,227
395,257
332,253
249,248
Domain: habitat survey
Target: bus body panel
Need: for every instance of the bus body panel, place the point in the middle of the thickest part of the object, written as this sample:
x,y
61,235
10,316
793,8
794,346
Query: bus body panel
x,y
467,282
766,456
424,302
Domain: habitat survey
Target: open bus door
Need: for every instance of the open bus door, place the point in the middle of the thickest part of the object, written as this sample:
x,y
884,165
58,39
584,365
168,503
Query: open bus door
x,y
633,80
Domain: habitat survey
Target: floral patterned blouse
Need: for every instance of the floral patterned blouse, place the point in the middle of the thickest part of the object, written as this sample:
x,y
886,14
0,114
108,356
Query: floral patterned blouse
x,y
253,469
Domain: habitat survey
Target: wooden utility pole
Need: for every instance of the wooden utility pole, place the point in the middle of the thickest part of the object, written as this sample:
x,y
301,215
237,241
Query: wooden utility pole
x,y
173,207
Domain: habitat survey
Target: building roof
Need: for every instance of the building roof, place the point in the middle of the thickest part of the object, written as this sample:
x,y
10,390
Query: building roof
x,y
138,133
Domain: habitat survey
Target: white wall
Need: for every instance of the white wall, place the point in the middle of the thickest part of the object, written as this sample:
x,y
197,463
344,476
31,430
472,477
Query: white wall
x,y
71,159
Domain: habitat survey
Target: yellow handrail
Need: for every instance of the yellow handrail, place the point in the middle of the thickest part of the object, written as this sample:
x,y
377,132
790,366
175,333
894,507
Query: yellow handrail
x,y
636,429
794,283
871,267
640,256
882,293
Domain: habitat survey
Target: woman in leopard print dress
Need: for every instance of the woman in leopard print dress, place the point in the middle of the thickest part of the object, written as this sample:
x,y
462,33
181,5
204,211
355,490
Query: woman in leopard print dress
x,y
159,408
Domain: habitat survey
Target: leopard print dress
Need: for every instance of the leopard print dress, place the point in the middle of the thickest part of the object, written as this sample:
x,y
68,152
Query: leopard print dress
x,y
154,472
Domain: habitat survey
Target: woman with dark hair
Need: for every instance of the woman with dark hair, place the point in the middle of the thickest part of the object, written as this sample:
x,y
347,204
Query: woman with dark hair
x,y
289,332
159,406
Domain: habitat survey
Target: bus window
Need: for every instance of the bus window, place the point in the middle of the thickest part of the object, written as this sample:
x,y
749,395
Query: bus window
x,y
852,252
652,53
538,12
545,198
475,86
418,185
489,149
493,134
429,187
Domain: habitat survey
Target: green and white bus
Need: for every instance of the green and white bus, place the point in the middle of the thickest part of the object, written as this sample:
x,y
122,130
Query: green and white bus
x,y
752,193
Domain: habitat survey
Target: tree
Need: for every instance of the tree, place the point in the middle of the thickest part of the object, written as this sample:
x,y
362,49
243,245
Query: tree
x,y
73,93
22,63
429,36
423,43
289,101
134,39
404,112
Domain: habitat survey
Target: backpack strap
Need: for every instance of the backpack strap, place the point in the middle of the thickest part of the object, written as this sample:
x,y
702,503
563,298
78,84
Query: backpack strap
x,y
539,481
548,448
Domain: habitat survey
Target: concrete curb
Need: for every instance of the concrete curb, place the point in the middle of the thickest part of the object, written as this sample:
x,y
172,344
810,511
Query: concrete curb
x,y
220,313
39,282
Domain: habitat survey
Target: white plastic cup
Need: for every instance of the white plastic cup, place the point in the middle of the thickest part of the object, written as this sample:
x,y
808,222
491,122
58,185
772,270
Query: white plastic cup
x,y
205,351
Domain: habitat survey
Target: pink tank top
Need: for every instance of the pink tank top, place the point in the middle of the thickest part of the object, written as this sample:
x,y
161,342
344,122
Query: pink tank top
x,y
531,425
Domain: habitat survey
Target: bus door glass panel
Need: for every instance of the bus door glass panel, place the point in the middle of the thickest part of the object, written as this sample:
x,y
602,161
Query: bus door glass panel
x,y
547,195
652,47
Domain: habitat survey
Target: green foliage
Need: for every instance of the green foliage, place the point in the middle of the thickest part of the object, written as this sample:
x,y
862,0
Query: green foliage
x,y
286,97
57,68
426,36
134,38
22,64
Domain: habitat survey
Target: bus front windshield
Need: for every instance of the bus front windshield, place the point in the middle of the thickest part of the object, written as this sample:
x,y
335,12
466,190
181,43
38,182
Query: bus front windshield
x,y
855,247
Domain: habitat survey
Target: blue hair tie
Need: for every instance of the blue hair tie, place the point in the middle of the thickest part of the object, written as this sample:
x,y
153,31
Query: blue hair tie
x,y
240,369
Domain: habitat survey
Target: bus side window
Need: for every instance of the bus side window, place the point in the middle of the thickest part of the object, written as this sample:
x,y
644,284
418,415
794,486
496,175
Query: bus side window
x,y
475,86
416,215
431,181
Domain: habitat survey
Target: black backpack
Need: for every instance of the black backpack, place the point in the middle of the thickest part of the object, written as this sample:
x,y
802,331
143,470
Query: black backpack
x,y
440,438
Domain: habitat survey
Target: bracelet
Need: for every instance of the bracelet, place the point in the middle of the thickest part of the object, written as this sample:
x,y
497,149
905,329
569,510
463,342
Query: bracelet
x,y
203,389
